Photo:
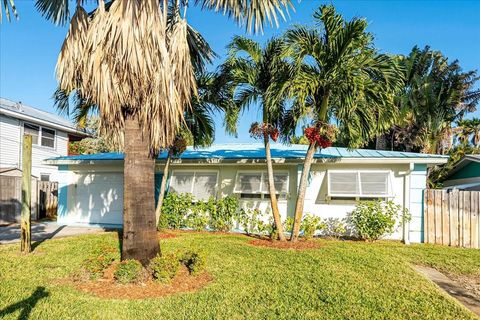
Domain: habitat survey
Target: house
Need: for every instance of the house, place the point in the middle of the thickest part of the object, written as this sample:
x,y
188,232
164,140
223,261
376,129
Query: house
x,y
51,135
91,186
465,175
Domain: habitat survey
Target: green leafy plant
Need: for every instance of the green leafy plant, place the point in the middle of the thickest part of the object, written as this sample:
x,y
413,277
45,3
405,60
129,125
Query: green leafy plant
x,y
310,224
226,211
164,267
335,227
194,261
174,210
199,214
102,258
128,271
373,219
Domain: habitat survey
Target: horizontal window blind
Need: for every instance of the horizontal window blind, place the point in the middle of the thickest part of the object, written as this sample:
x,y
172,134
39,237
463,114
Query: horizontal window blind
x,y
359,184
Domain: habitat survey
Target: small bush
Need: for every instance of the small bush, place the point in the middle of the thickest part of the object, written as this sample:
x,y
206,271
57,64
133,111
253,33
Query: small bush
x,y
226,211
335,227
310,224
164,267
99,261
194,261
174,210
199,214
128,271
373,219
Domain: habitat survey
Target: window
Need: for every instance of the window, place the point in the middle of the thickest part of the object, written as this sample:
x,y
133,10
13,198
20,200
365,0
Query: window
x,y
44,177
40,136
251,185
33,131
359,184
201,184
48,138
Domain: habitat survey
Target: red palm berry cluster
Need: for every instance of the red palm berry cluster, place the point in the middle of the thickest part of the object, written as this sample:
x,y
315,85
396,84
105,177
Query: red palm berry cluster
x,y
322,135
257,131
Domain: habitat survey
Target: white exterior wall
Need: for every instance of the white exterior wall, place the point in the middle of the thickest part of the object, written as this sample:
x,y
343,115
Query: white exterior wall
x,y
11,133
94,193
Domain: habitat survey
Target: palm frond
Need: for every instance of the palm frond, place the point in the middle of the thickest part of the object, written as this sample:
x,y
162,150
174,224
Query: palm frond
x,y
7,6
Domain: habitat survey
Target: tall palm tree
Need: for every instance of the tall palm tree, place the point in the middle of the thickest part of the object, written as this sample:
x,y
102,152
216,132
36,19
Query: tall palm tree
x,y
118,72
469,131
435,94
253,69
340,78
213,96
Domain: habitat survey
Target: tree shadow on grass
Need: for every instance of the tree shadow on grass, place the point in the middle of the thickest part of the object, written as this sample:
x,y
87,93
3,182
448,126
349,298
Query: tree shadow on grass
x,y
26,305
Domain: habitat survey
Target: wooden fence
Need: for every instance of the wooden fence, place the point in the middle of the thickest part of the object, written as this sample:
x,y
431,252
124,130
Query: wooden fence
x,y
47,199
452,218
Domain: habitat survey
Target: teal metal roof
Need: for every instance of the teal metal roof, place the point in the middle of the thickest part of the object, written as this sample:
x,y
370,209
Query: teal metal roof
x,y
257,151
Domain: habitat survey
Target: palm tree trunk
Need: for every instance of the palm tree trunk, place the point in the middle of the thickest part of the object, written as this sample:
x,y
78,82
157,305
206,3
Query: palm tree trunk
x,y
271,189
163,186
381,142
140,240
301,192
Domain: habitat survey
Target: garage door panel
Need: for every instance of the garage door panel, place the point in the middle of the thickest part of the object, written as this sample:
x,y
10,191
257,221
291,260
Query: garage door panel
x,y
99,198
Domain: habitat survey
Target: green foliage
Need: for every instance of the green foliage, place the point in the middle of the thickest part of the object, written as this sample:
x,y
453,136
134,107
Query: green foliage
x,y
335,227
194,261
310,224
181,211
226,211
97,143
373,219
96,264
174,210
164,267
128,271
252,221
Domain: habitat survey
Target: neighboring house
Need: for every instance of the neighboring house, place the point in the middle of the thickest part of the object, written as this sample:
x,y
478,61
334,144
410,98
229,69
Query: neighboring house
x,y
91,186
465,175
51,135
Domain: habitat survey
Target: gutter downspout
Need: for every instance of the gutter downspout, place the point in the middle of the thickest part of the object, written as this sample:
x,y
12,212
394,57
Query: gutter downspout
x,y
406,203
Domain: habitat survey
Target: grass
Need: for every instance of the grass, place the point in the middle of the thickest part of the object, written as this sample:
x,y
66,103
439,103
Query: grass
x,y
339,280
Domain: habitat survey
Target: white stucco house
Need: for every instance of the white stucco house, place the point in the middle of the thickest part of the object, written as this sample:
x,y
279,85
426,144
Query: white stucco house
x,y
50,137
91,186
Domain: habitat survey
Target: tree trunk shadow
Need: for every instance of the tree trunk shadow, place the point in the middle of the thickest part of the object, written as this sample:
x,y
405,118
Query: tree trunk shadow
x,y
26,305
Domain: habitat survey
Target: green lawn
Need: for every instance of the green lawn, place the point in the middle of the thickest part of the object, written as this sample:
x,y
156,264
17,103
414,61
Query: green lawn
x,y
340,280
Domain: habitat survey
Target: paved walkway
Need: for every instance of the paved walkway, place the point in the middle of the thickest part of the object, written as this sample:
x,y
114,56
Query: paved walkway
x,y
451,287
42,231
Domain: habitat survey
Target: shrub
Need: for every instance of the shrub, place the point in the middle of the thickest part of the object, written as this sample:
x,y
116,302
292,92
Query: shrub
x,y
199,214
194,261
164,267
99,261
335,227
226,210
174,210
128,271
373,219
310,224
253,222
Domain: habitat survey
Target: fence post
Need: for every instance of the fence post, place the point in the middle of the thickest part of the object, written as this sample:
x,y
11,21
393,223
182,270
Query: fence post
x,y
25,233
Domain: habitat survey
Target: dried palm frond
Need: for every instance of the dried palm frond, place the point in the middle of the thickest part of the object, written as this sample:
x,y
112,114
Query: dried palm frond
x,y
69,74
129,69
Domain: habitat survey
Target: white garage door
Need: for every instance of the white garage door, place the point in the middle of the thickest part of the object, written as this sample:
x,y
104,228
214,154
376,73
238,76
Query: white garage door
x,y
99,198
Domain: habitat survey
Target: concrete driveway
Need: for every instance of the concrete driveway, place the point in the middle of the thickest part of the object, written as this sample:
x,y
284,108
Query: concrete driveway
x,y
44,230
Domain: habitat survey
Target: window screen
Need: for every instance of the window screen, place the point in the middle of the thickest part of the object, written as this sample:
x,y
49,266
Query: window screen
x,y
359,184
32,130
344,183
248,182
202,185
280,180
374,183
48,138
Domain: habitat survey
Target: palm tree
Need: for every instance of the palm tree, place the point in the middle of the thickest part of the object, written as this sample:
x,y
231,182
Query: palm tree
x,y
469,131
118,72
213,96
435,94
253,70
340,78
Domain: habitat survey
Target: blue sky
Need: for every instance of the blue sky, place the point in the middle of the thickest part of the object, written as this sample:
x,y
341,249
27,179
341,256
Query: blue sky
x,y
29,46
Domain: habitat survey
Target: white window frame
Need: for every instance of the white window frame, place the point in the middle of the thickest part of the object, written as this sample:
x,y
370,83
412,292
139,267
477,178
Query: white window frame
x,y
39,142
263,178
193,180
389,194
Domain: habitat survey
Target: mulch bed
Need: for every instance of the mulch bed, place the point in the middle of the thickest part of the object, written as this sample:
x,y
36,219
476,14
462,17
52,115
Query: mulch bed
x,y
166,235
299,245
107,288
